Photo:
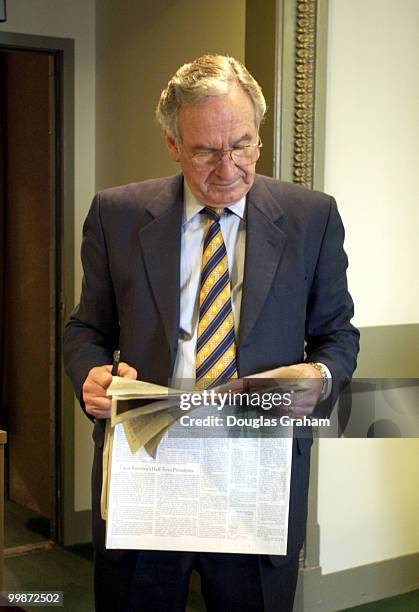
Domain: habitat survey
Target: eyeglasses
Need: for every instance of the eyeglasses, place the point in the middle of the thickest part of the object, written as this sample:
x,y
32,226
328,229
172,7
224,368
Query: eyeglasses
x,y
241,156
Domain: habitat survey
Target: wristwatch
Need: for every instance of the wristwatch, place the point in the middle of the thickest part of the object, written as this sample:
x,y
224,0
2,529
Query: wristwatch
x,y
320,368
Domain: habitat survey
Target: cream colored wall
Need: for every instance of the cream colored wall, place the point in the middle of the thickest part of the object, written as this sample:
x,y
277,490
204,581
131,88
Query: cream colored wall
x,y
139,46
76,20
368,501
372,154
368,495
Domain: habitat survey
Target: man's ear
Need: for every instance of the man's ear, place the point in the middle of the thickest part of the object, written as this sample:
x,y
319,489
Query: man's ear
x,y
172,146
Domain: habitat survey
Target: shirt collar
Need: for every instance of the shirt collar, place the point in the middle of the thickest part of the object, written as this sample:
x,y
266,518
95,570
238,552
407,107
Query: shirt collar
x,y
192,206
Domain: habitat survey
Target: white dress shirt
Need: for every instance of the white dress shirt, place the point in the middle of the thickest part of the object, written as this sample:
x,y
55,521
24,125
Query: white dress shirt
x,y
193,234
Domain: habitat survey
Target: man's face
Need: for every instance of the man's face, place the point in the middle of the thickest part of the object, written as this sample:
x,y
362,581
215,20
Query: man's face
x,y
217,123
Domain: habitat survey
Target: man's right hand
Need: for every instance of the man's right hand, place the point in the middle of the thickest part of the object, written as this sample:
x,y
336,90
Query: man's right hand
x,y
97,404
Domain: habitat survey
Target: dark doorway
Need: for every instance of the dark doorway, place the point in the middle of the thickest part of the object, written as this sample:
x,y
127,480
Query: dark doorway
x,y
29,261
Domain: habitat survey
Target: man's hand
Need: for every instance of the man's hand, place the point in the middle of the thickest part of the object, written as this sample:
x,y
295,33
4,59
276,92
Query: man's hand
x,y
97,404
303,402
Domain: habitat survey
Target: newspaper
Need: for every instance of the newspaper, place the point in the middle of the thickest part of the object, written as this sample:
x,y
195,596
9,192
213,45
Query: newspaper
x,y
227,495
148,410
202,492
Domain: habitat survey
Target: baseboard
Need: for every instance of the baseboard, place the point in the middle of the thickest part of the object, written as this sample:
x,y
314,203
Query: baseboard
x,y
308,589
356,586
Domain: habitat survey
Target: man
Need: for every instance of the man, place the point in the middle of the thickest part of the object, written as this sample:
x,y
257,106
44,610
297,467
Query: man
x,y
285,304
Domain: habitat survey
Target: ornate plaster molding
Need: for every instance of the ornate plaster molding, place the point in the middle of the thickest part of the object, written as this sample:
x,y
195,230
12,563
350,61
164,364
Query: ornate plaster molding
x,y
304,78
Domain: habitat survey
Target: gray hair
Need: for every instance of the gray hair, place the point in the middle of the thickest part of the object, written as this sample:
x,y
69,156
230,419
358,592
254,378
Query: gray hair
x,y
209,75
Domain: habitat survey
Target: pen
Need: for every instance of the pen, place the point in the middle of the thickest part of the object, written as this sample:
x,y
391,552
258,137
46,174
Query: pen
x,y
115,364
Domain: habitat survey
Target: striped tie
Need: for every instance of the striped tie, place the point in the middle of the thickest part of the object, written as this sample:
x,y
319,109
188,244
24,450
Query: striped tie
x,y
216,346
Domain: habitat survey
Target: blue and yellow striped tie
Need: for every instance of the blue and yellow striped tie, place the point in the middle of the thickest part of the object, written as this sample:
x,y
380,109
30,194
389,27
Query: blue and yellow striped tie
x,y
216,345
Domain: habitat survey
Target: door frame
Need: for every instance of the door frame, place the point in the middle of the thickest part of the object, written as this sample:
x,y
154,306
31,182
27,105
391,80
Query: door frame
x,y
67,526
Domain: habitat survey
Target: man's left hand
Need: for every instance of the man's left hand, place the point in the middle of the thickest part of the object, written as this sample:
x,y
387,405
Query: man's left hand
x,y
304,401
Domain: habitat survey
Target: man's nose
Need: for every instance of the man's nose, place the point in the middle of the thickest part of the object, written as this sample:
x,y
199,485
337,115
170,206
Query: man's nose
x,y
226,166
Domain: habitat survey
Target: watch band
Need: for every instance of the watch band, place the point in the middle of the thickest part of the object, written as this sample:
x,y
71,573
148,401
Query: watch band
x,y
320,368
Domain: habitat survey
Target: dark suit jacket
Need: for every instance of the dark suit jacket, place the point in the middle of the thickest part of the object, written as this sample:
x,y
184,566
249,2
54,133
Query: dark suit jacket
x,y
295,303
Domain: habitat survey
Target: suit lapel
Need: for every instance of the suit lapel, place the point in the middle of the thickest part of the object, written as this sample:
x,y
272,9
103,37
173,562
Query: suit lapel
x,y
160,241
265,243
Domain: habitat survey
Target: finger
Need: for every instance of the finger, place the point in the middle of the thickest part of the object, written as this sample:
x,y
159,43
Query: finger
x,y
100,375
127,371
101,403
98,413
93,392
303,404
92,388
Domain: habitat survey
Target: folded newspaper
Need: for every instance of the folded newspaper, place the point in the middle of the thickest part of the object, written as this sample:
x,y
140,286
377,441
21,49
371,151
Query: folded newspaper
x,y
201,493
148,410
